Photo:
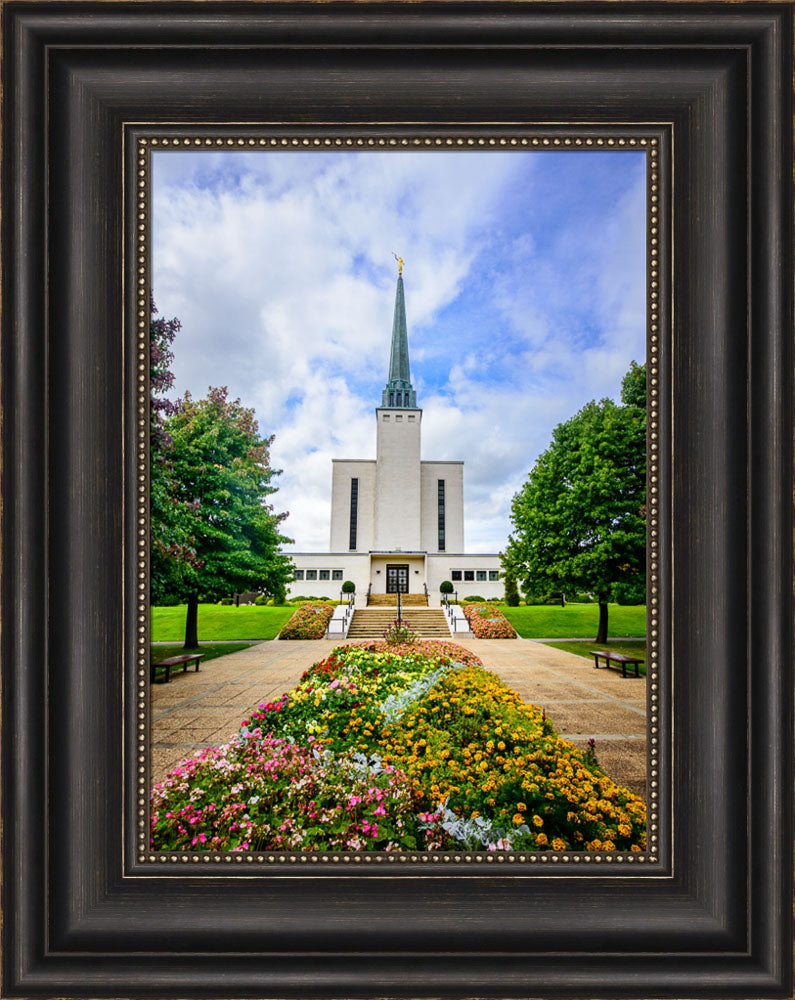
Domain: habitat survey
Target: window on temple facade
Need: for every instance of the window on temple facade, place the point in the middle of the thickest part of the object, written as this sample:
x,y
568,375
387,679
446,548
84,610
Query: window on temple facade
x,y
440,499
354,513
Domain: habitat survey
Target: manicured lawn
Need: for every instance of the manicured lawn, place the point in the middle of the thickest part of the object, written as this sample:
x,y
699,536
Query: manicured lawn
x,y
210,650
220,622
584,649
575,621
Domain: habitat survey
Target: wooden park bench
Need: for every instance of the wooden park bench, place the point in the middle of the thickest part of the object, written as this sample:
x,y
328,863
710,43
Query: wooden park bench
x,y
184,660
616,660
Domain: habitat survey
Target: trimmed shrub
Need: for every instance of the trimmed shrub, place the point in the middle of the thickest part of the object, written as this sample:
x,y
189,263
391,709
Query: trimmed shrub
x,y
349,587
476,597
446,587
511,591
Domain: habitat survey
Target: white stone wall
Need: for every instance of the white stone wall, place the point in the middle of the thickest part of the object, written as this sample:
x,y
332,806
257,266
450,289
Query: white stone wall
x,y
397,482
440,567
453,475
342,471
354,567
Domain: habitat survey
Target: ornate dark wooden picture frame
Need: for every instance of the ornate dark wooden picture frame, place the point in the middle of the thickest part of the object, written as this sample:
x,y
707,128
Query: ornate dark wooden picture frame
x,y
85,914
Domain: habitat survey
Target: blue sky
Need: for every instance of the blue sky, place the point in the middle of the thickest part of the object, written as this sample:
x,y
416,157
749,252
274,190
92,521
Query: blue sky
x,y
525,297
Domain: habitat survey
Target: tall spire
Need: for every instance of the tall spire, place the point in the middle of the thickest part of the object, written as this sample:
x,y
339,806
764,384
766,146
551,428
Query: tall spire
x,y
398,391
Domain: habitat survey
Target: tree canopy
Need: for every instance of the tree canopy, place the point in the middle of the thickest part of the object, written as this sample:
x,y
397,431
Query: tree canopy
x,y
213,531
580,519
171,551
222,478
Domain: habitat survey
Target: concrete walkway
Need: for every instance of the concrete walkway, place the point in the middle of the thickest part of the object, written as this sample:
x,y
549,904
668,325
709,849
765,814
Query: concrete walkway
x,y
205,709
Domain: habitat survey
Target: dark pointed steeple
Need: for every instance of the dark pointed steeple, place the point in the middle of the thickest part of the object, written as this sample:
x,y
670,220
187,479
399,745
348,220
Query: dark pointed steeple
x,y
398,391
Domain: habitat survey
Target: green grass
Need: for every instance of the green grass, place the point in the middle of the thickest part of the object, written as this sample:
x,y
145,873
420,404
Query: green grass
x,y
622,646
158,653
220,622
575,621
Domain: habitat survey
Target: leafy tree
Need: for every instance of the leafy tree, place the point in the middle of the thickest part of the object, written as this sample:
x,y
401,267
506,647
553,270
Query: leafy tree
x,y
580,518
223,479
633,386
171,551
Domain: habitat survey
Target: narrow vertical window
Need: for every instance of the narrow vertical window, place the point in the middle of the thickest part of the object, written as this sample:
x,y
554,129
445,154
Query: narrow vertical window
x,y
441,514
391,399
354,512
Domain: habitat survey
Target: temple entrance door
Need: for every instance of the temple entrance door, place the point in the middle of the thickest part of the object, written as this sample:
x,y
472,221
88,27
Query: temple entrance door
x,y
397,579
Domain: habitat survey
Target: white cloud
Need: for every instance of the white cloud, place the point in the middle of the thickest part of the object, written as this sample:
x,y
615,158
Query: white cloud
x,y
280,268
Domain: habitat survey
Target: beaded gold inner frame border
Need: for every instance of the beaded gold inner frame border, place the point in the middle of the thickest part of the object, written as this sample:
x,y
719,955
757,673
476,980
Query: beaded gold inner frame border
x,y
643,137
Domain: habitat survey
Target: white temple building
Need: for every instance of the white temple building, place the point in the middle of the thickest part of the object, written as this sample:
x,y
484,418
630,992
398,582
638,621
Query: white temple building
x,y
397,521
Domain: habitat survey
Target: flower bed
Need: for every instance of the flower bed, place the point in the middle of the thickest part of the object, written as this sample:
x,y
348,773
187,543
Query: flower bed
x,y
488,622
310,621
381,746
268,794
474,745
337,703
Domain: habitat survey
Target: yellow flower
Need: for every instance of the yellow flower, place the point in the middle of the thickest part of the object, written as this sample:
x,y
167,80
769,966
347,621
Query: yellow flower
x,y
518,818
537,821
558,844
541,839
521,807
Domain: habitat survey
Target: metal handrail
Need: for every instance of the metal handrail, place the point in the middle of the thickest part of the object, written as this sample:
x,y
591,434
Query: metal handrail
x,y
347,613
399,608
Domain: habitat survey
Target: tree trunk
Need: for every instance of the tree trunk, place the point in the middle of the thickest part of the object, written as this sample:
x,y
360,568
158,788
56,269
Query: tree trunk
x,y
601,635
192,624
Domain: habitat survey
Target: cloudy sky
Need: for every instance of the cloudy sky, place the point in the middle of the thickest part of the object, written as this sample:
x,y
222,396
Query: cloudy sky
x,y
525,297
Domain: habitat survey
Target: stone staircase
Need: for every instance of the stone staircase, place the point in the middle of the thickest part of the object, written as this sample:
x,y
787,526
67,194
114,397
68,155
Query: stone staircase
x,y
372,622
390,601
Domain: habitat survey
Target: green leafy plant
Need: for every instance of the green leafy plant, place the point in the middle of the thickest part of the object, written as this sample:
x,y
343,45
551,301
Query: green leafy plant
x,y
399,633
511,591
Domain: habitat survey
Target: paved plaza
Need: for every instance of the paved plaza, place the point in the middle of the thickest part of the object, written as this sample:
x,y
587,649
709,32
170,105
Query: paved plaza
x,y
206,709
